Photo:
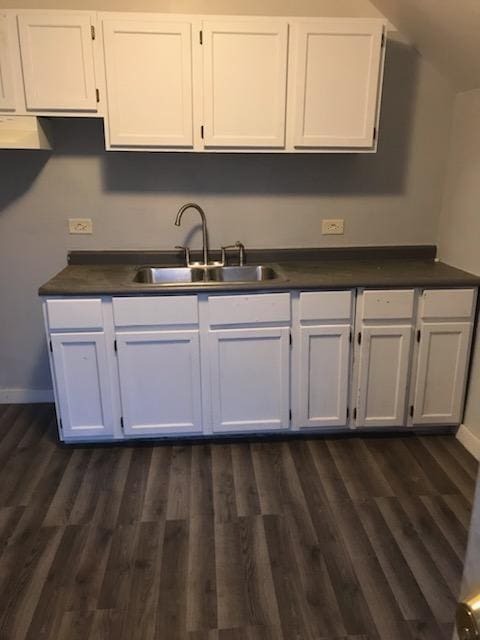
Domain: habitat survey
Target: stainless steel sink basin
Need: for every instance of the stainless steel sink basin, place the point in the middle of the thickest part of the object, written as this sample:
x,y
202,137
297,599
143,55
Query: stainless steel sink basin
x,y
248,273
198,275
169,275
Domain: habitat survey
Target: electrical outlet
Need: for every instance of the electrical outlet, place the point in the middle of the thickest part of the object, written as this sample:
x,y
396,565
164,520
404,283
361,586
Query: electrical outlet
x,y
80,225
333,227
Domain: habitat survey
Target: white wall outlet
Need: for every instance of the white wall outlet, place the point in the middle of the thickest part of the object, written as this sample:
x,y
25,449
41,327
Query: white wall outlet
x,y
80,225
333,227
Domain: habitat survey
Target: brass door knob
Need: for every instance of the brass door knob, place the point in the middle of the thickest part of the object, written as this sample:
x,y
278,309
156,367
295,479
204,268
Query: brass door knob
x,y
468,619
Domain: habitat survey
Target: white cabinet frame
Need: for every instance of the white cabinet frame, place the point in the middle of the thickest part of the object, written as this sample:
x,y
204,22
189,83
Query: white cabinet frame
x,y
308,101
133,133
45,93
273,31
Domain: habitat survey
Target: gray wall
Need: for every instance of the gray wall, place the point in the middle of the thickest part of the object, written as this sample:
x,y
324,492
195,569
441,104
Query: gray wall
x,y
392,197
459,232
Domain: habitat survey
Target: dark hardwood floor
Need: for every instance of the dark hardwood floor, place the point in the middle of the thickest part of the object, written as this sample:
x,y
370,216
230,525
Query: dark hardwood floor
x,y
345,538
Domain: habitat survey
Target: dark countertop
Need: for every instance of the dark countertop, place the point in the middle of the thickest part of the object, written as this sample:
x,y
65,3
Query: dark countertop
x,y
112,273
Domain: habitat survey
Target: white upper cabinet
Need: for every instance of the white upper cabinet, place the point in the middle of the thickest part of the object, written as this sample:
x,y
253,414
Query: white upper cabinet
x,y
336,81
58,61
244,83
7,86
148,64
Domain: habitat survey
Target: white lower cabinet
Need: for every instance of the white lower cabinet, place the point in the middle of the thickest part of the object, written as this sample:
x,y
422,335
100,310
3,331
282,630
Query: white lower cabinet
x,y
160,387
441,373
83,384
444,334
259,362
324,368
250,381
384,366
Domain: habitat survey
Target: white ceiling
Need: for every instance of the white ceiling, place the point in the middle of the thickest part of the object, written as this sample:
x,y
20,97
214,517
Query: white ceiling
x,y
446,32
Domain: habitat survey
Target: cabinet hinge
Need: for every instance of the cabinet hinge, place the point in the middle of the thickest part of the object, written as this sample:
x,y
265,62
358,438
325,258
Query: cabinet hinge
x,y
60,424
419,335
355,413
115,345
412,411
92,31
97,95
374,133
350,337
290,339
121,421
348,413
359,337
383,39
202,131
290,415
50,345
201,36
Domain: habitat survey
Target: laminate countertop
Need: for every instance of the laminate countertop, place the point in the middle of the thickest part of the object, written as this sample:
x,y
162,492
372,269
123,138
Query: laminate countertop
x,y
113,272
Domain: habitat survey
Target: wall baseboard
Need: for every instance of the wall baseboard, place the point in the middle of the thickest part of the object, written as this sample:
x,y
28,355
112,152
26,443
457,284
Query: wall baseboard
x,y
469,440
25,396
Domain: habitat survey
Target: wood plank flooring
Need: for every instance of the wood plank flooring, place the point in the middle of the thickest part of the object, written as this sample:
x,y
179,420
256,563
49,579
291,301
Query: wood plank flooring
x,y
309,539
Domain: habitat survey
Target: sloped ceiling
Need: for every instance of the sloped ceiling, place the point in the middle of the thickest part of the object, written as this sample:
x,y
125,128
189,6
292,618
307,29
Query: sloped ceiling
x,y
446,32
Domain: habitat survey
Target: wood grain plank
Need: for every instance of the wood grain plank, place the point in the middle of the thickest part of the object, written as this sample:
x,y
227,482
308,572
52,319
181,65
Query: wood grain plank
x,y
246,493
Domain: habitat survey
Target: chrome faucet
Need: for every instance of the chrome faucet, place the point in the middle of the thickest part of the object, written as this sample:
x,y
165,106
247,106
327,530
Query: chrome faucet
x,y
178,220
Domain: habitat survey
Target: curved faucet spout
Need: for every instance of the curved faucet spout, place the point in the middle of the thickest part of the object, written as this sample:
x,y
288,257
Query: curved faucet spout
x,y
178,220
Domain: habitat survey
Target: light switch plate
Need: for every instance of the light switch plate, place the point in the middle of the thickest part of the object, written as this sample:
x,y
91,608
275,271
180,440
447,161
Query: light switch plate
x,y
80,225
333,227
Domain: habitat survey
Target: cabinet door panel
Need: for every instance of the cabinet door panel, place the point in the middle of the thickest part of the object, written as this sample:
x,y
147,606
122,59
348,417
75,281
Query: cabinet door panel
x,y
7,89
149,82
250,379
245,74
337,82
160,382
383,375
57,61
324,369
441,373
83,384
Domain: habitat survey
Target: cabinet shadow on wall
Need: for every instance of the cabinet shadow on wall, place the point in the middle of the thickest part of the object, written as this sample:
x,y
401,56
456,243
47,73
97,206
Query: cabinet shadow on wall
x,y
274,173
240,173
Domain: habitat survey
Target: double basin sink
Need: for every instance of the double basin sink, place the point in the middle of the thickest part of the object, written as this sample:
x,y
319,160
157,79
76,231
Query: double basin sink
x,y
210,275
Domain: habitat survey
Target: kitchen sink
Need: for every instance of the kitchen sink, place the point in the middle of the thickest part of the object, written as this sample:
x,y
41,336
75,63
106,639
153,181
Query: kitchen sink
x,y
248,273
169,275
210,275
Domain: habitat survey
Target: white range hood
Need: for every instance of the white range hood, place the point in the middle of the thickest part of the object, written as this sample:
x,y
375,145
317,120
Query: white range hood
x,y
24,132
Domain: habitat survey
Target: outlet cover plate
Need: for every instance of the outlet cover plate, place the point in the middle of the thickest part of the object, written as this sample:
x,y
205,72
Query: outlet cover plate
x,y
80,225
333,227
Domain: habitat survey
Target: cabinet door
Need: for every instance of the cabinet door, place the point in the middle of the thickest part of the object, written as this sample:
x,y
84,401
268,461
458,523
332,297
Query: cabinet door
x,y
250,379
441,372
57,61
160,382
337,80
148,67
383,375
83,384
245,74
7,89
323,377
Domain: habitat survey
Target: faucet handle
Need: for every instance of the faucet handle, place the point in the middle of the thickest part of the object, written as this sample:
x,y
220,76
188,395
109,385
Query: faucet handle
x,y
187,254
